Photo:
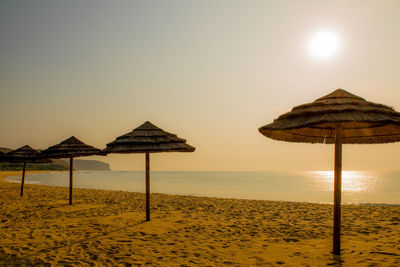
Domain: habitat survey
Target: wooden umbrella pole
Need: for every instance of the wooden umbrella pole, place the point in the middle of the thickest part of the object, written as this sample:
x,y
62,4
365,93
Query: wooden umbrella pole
x,y
71,178
337,198
23,180
147,186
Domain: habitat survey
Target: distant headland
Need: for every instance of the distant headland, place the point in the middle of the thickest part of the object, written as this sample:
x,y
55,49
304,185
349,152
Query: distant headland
x,y
56,165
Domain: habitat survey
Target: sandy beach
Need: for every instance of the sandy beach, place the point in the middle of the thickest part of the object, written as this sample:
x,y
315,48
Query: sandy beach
x,y
108,228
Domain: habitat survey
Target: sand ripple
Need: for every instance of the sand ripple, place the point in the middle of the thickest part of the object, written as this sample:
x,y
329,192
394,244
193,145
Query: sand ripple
x,y
107,228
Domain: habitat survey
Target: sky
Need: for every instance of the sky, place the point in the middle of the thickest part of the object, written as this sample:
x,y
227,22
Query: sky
x,y
212,72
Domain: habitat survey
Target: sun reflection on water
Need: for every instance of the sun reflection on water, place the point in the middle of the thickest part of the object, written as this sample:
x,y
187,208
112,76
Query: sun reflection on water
x,y
352,181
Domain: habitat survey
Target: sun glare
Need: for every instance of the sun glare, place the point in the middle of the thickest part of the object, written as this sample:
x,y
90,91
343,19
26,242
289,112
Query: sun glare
x,y
352,181
324,44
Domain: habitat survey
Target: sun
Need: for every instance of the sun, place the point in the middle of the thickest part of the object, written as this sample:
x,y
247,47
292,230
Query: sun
x,y
324,44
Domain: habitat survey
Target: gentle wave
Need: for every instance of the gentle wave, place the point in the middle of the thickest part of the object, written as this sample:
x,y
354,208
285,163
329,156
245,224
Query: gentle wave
x,y
370,187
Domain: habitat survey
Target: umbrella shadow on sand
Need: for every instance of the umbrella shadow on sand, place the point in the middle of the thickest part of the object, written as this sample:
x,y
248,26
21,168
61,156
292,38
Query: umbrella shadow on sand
x,y
337,118
70,148
24,155
146,139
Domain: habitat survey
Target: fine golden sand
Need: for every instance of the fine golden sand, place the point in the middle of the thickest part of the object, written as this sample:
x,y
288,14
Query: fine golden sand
x,y
107,228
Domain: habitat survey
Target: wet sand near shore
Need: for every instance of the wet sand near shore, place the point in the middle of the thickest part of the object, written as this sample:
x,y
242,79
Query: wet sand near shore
x,y
108,228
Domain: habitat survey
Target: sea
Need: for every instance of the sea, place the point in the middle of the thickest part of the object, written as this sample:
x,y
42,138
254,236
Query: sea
x,y
358,187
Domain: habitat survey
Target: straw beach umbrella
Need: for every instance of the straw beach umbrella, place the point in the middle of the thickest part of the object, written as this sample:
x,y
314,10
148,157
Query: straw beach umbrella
x,y
2,156
337,118
147,139
70,148
24,155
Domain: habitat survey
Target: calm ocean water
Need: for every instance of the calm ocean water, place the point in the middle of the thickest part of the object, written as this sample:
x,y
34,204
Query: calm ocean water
x,y
381,187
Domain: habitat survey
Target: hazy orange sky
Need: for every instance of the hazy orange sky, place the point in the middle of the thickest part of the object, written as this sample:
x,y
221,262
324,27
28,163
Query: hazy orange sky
x,y
212,72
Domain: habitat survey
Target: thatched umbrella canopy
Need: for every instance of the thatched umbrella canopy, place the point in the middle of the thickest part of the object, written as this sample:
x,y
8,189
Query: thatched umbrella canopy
x,y
70,148
3,154
2,157
147,139
337,118
24,155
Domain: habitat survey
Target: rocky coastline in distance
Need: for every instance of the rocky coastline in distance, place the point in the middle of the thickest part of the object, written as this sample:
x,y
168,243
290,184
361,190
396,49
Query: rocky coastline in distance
x,y
57,165
90,165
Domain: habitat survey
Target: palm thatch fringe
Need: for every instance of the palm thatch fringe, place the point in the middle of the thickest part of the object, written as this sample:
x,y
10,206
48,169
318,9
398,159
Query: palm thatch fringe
x,y
363,122
71,147
148,138
25,154
3,157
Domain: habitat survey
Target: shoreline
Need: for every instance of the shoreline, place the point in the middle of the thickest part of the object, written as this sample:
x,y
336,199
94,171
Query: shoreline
x,y
5,174
106,227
